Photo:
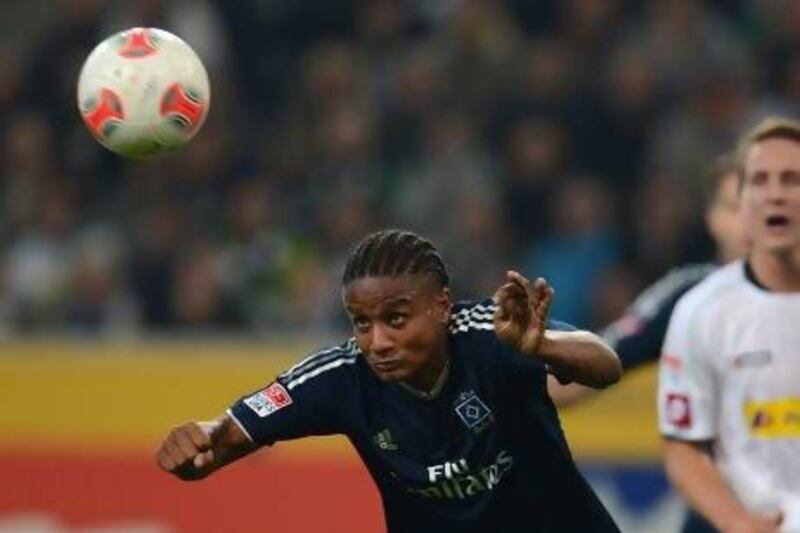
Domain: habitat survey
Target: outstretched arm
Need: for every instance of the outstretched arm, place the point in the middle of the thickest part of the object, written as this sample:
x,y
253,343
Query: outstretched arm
x,y
581,357
521,319
194,450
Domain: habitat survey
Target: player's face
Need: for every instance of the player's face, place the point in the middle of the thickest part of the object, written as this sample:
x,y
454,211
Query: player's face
x,y
771,195
725,222
400,324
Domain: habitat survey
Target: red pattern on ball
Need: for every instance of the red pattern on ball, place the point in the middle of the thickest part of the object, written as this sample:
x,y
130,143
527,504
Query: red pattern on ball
x,y
138,43
108,107
178,103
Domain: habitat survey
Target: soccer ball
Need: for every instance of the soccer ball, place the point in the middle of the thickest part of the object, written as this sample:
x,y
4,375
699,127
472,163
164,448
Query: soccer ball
x,y
143,92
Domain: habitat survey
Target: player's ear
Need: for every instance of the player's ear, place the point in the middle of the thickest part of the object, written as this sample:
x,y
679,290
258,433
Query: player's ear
x,y
444,305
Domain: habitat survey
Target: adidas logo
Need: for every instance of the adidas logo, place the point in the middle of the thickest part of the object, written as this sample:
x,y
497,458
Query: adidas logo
x,y
384,441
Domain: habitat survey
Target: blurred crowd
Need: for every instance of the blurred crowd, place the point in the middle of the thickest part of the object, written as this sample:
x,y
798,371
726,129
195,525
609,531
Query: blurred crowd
x,y
564,138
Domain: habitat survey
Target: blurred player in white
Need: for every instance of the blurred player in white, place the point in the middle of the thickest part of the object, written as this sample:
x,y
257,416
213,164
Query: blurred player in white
x,y
638,335
729,376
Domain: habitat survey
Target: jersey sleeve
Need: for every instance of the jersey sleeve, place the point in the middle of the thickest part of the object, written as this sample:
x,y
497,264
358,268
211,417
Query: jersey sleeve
x,y
309,399
687,399
638,339
638,335
557,325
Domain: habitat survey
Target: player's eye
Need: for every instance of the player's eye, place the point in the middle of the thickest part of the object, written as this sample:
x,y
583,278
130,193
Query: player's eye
x,y
396,320
360,324
791,178
757,178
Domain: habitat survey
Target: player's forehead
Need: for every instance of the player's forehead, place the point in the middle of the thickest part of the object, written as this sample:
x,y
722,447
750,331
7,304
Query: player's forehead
x,y
773,155
376,292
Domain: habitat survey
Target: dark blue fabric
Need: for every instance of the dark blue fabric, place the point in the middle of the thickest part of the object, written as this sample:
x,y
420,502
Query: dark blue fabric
x,y
638,336
487,454
644,345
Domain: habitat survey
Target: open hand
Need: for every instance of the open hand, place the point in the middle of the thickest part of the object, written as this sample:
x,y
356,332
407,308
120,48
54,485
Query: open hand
x,y
521,316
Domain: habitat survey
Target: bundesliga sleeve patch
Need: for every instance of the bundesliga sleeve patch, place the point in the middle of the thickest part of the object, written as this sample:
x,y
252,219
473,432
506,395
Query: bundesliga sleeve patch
x,y
672,362
678,410
265,402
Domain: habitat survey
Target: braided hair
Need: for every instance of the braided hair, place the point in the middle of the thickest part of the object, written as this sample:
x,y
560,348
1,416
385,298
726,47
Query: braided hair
x,y
394,252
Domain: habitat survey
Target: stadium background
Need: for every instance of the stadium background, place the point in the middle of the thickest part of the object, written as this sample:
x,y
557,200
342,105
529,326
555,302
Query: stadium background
x,y
564,138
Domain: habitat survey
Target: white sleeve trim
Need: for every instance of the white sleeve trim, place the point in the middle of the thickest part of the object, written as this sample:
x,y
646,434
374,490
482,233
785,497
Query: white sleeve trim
x,y
229,412
700,433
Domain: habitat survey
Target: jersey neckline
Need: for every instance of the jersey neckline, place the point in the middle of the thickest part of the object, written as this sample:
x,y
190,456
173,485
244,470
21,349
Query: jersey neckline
x,y
756,285
750,276
437,387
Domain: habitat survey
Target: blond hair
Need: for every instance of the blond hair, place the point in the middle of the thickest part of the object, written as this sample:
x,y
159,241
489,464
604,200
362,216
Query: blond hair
x,y
768,128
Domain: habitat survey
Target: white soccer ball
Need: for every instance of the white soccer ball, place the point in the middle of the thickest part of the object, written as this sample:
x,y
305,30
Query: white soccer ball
x,y
143,92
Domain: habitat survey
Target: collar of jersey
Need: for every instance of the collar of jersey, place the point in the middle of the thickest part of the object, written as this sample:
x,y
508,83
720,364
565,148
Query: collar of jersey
x,y
750,275
435,390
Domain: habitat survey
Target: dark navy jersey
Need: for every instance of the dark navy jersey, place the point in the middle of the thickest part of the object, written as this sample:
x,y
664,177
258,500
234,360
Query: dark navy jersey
x,y
639,334
485,454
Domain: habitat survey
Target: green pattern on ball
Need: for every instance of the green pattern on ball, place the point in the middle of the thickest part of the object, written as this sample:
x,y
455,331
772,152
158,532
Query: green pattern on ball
x,y
141,148
109,128
179,121
194,95
89,104
120,40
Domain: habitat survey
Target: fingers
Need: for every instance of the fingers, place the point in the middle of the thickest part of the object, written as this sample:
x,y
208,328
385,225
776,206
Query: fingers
x,y
203,459
538,290
518,279
544,312
510,292
198,436
540,287
169,456
183,445
542,299
509,317
516,286
517,297
512,302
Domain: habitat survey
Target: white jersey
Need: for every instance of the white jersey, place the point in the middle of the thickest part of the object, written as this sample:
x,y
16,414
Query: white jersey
x,y
730,374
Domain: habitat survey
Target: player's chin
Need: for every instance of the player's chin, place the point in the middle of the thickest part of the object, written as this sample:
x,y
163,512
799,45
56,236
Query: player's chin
x,y
781,245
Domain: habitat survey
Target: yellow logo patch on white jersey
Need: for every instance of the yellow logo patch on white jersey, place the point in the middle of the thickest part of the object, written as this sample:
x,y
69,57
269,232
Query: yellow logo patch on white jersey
x,y
774,418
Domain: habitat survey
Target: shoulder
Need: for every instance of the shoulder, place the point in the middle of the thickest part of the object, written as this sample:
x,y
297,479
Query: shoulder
x,y
474,340
669,288
472,337
478,317
471,317
322,365
698,313
715,290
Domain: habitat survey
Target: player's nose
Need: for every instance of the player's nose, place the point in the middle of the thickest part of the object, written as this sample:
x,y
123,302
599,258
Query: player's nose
x,y
776,191
381,341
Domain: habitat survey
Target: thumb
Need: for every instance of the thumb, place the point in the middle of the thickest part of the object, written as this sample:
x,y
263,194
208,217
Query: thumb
x,y
203,459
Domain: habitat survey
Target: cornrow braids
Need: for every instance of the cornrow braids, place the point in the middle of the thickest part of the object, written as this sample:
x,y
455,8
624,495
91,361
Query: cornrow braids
x,y
394,252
